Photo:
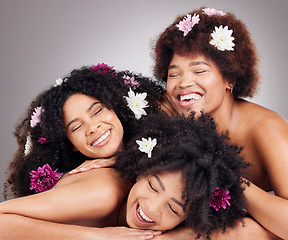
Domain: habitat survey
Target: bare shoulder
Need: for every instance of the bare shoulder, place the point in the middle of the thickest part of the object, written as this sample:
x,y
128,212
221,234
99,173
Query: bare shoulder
x,y
94,176
261,120
100,184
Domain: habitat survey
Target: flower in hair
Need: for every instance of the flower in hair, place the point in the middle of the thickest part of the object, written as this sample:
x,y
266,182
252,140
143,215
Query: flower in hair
x,y
220,199
187,23
131,82
222,39
42,139
137,103
213,12
28,145
147,145
104,68
59,82
35,116
44,178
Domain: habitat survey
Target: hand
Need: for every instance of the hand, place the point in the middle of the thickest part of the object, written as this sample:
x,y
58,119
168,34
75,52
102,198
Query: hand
x,y
93,164
166,106
124,233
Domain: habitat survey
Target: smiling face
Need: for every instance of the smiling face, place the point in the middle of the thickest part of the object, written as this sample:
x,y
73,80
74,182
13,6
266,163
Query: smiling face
x,y
194,84
155,202
92,128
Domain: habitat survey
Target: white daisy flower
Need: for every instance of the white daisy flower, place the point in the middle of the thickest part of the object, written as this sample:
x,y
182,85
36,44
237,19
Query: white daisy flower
x,y
147,145
59,81
28,145
137,103
222,39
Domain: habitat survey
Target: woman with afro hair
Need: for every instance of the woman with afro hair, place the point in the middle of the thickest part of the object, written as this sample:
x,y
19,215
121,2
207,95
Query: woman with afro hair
x,y
182,171
51,129
209,63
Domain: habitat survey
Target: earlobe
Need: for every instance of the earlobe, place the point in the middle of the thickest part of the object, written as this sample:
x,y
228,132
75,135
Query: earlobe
x,y
229,88
75,149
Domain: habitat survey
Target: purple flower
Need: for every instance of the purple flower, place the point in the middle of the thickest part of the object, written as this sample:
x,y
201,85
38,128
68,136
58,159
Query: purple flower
x,y
42,139
44,178
219,199
104,68
35,116
188,23
130,82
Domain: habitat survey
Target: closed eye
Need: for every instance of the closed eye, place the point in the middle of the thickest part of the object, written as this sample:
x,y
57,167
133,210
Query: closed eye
x,y
200,71
151,186
172,209
171,75
76,128
98,111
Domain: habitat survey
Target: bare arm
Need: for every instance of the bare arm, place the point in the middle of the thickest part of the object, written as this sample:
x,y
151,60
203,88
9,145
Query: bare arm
x,y
271,143
18,227
251,230
82,198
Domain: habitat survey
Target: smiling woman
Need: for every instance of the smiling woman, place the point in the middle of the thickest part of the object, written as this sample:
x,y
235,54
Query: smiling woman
x,y
155,202
92,128
185,173
210,63
190,175
85,116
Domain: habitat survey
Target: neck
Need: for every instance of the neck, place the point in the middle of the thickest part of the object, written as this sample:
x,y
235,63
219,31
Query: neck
x,y
225,114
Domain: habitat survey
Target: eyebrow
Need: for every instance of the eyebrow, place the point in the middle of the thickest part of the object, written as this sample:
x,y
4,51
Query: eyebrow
x,y
163,188
193,63
160,182
76,119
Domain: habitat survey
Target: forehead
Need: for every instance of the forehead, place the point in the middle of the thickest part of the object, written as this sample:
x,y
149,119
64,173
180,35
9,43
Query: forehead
x,y
78,103
79,99
191,57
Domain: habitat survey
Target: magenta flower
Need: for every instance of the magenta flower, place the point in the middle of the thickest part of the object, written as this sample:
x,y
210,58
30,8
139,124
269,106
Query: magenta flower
x,y
42,139
213,12
219,199
188,23
104,68
35,117
130,82
44,178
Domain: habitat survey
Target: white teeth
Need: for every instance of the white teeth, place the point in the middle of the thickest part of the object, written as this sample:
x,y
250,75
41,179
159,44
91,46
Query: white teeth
x,y
142,216
192,96
102,138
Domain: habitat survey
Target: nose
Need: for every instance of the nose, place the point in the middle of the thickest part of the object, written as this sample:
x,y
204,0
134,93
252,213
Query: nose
x,y
185,81
155,206
92,128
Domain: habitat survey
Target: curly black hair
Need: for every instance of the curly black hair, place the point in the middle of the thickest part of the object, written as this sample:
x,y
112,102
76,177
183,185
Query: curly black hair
x,y
207,161
238,67
109,88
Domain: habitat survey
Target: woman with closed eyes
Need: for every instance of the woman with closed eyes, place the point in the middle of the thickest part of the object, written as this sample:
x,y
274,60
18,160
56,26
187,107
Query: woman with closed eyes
x,y
209,62
172,184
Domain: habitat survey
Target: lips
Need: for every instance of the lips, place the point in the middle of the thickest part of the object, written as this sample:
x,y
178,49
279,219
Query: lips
x,y
141,217
103,139
185,99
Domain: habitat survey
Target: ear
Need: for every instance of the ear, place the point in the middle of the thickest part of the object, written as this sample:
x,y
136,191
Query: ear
x,y
75,149
229,87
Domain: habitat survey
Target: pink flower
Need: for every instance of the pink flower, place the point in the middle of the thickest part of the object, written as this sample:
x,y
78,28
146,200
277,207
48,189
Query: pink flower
x,y
42,139
219,199
104,68
187,23
130,82
44,178
213,12
35,117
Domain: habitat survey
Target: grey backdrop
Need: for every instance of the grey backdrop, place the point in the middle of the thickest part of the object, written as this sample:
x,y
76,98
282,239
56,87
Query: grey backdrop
x,y
43,40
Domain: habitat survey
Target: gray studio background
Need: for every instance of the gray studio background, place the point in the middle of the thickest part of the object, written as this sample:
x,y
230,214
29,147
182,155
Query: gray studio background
x,y
41,41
